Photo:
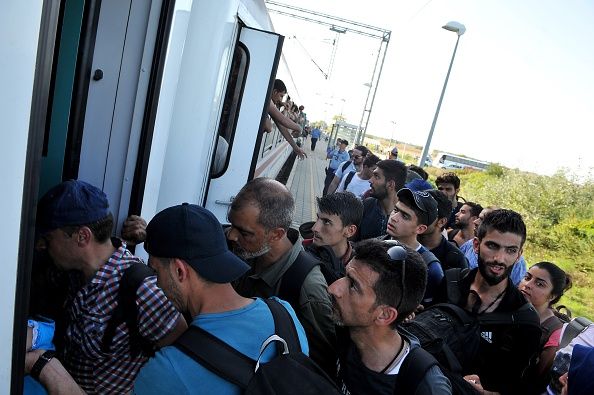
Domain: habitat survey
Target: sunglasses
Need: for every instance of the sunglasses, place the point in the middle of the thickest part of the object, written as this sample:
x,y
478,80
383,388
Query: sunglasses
x,y
398,254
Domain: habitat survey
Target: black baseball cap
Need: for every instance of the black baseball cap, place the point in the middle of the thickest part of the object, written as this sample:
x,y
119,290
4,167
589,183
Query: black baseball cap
x,y
423,201
194,234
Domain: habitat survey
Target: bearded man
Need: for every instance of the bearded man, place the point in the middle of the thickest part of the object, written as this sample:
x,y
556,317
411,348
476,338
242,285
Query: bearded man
x,y
506,350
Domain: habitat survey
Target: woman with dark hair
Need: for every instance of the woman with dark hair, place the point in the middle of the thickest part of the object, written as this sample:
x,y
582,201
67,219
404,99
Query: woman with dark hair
x,y
543,285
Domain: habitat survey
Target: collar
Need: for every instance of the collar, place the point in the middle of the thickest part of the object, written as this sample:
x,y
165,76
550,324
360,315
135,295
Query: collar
x,y
113,263
273,273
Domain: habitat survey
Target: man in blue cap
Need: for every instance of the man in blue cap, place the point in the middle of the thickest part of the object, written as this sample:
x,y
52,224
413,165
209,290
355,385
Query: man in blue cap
x,y
75,228
188,250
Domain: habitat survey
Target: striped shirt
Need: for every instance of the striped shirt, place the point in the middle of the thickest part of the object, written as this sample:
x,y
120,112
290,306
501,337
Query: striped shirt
x,y
89,311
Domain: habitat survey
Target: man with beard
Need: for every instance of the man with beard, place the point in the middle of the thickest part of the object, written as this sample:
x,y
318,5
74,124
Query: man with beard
x,y
388,178
449,183
384,283
506,349
519,270
355,164
260,233
464,223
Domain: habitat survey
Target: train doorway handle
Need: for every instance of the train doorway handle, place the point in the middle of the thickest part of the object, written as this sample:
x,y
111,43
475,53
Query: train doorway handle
x,y
225,202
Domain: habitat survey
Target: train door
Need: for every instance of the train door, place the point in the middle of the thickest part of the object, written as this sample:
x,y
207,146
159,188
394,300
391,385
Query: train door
x,y
250,85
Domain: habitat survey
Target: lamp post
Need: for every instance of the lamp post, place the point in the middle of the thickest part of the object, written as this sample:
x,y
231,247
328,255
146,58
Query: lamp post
x,y
459,29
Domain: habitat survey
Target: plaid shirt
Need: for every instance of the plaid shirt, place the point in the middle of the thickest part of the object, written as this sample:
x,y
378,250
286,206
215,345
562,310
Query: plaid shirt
x,y
90,309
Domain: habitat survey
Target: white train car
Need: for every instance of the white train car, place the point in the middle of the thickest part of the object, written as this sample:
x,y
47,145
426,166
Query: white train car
x,y
132,96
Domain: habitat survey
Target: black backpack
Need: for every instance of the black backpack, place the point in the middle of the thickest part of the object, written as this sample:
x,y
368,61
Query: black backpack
x,y
289,372
450,334
127,311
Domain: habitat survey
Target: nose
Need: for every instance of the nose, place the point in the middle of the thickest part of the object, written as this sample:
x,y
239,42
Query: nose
x,y
334,289
316,226
40,244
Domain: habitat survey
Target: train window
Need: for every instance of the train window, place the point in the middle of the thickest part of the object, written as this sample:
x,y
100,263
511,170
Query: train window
x,y
269,139
230,112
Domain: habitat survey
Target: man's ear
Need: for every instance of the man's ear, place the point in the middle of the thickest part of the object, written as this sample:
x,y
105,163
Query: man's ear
x,y
180,270
386,315
391,184
441,222
83,236
475,245
276,234
350,231
421,228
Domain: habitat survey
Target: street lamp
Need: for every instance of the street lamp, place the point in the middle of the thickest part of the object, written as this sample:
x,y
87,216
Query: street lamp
x,y
459,29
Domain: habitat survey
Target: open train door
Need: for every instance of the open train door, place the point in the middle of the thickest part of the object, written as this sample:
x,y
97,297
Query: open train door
x,y
250,85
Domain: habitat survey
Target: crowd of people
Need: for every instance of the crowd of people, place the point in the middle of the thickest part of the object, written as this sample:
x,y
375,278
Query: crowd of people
x,y
387,249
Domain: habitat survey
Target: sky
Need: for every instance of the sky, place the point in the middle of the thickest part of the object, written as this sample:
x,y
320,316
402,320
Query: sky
x,y
521,90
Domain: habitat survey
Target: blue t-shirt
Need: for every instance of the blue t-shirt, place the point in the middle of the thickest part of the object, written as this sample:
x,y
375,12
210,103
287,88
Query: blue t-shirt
x,y
517,274
171,371
337,157
315,134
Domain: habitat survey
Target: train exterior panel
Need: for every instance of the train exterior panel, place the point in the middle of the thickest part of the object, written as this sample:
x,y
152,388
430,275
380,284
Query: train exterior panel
x,y
157,102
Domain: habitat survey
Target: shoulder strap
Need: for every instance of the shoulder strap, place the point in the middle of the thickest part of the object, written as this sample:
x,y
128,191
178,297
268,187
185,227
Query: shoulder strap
x,y
216,356
452,233
525,315
413,369
284,325
574,328
348,180
292,280
428,256
453,278
126,309
346,164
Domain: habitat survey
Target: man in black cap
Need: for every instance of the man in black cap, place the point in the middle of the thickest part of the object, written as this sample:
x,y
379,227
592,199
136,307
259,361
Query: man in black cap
x,y
411,216
75,225
188,250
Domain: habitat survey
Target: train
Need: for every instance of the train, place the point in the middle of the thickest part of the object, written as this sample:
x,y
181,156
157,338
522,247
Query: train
x,y
156,102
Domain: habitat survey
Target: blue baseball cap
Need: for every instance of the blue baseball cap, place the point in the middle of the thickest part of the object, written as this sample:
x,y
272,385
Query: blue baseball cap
x,y
194,234
71,203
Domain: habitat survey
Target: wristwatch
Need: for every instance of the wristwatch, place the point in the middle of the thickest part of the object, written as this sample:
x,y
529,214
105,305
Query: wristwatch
x,y
40,363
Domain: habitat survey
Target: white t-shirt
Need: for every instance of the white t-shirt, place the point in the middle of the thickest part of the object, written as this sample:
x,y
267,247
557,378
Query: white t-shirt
x,y
357,186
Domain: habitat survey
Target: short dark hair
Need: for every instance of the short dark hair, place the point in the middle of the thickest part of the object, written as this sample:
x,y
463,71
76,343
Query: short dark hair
x,y
448,178
503,221
387,290
393,171
364,150
101,229
344,204
444,205
345,142
279,85
560,280
419,170
273,199
475,208
371,161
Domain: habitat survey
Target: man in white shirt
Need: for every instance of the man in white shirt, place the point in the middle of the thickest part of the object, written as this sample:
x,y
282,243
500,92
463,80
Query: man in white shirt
x,y
358,182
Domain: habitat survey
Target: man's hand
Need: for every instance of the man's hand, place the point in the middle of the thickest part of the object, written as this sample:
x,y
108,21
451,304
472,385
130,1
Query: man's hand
x,y
134,230
300,153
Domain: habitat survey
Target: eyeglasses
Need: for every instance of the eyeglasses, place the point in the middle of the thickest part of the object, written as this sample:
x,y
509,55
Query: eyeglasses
x,y
398,254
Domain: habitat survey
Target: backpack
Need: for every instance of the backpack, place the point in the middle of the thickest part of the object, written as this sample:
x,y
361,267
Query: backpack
x,y
348,180
414,367
450,334
289,372
292,280
127,311
574,328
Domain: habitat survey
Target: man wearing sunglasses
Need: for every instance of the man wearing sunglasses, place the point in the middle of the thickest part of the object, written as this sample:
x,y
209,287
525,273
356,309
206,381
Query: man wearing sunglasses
x,y
384,283
354,164
412,215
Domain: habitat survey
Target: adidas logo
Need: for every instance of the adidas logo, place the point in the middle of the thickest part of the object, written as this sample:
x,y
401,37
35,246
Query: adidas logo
x,y
488,336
